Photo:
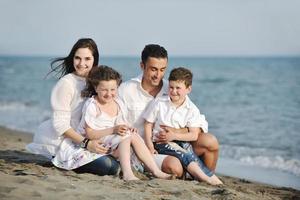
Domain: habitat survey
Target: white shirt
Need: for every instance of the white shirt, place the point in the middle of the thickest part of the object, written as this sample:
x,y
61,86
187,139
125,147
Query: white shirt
x,y
163,112
136,100
66,103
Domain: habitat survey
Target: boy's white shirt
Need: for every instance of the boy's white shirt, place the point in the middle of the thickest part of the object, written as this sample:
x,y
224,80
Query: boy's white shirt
x,y
161,111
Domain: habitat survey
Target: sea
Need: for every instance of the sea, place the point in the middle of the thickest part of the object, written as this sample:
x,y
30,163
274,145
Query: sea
x,y
252,106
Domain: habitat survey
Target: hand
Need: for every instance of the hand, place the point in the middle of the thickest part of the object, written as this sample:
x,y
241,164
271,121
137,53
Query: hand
x,y
121,129
96,146
151,148
166,135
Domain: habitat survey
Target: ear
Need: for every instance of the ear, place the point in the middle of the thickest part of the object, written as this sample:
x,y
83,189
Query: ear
x,y
142,65
189,89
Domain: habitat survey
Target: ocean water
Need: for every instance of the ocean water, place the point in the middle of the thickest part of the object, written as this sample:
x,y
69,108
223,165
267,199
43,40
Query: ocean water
x,y
252,106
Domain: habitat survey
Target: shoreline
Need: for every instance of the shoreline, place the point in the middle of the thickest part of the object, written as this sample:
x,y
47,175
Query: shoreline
x,y
43,180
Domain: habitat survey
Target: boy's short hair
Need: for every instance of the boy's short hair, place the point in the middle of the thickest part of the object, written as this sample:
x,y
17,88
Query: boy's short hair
x,y
181,74
155,51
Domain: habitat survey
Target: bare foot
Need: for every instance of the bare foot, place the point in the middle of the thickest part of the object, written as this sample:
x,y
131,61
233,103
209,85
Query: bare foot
x,y
214,180
130,178
162,175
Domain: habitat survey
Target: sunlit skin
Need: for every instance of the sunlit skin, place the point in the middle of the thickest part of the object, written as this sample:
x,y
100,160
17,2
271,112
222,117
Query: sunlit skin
x,y
83,61
178,91
153,72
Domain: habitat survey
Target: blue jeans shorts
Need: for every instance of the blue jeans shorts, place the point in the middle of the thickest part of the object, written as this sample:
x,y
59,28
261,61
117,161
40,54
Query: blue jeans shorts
x,y
186,157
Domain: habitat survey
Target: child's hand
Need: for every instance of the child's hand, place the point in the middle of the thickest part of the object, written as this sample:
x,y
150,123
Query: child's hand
x,y
121,129
151,148
166,135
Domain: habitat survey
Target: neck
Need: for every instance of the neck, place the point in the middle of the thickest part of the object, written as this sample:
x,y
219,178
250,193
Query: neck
x,y
178,103
152,90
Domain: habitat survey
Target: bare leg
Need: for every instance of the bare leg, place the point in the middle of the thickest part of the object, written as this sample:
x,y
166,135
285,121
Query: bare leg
x,y
146,157
207,146
196,172
124,157
172,165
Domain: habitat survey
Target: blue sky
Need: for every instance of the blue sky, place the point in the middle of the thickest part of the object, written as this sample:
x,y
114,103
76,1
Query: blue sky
x,y
185,28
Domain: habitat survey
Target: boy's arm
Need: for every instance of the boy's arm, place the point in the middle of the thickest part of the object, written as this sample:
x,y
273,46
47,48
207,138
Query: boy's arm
x,y
168,135
148,127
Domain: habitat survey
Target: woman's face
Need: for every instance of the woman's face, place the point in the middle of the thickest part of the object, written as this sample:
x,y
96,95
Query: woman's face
x,y
83,61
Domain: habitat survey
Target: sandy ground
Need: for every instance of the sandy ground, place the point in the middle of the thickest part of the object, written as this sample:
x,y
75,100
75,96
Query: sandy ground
x,y
27,176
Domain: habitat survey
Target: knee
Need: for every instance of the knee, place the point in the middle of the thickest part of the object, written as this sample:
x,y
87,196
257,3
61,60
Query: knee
x,y
172,165
111,165
212,141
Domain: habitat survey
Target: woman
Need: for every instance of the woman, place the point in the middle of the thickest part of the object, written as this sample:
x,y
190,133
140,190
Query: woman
x,y
66,103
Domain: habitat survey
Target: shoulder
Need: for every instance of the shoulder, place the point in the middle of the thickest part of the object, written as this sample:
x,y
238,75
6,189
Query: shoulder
x,y
69,80
90,106
192,105
130,83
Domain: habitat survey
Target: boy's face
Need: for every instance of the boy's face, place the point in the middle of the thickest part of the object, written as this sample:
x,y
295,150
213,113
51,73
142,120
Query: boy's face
x,y
154,71
106,91
178,91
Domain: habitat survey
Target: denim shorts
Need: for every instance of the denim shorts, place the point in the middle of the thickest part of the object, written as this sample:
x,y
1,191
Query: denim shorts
x,y
185,156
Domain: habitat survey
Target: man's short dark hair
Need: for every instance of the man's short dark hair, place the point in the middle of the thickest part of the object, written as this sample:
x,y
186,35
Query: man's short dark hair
x,y
155,51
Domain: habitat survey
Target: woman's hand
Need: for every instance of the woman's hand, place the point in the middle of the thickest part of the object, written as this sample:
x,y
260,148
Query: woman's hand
x,y
96,146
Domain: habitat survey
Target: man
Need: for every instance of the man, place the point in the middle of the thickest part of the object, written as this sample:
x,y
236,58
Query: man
x,y
138,92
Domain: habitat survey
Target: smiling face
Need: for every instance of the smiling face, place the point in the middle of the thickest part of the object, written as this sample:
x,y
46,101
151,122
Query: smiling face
x,y
106,91
178,91
153,71
83,61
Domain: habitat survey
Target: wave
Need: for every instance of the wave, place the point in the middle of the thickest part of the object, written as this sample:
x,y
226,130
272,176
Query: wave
x,y
24,116
277,162
262,157
8,106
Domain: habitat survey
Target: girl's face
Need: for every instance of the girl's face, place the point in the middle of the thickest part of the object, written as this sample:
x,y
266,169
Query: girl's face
x,y
83,61
107,91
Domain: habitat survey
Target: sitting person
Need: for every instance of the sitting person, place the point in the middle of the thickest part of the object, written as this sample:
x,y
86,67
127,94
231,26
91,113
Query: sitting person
x,y
178,111
66,103
103,120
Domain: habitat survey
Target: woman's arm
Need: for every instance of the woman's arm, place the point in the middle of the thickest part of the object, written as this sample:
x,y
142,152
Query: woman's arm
x,y
93,145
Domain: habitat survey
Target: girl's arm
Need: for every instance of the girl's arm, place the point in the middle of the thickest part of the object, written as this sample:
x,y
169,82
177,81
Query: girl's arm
x,y
148,126
97,134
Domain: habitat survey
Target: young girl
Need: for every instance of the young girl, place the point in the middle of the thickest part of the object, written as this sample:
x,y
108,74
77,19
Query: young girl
x,y
103,119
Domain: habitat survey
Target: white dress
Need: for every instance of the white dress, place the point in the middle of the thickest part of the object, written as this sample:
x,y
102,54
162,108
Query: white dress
x,y
70,156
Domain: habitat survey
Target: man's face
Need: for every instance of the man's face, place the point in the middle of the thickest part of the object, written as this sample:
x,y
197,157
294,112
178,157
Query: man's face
x,y
154,70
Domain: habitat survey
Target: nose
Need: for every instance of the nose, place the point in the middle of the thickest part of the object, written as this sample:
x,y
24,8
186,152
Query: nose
x,y
82,62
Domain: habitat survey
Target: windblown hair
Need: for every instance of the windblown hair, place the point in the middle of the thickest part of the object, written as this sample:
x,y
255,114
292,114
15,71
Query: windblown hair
x,y
97,74
155,51
65,65
181,74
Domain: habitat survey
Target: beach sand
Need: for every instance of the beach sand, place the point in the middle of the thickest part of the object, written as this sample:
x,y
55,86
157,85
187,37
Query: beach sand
x,y
27,176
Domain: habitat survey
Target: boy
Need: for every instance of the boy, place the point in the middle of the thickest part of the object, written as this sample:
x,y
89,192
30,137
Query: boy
x,y
177,111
